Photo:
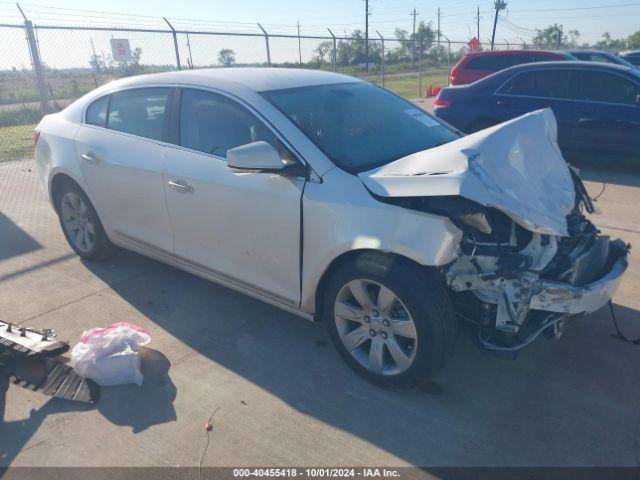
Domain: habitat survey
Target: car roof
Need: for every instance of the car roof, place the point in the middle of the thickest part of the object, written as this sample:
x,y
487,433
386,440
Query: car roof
x,y
499,76
512,52
601,52
630,52
574,65
258,79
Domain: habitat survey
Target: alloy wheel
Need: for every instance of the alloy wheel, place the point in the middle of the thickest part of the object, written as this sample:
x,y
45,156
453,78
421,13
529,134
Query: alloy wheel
x,y
375,327
77,221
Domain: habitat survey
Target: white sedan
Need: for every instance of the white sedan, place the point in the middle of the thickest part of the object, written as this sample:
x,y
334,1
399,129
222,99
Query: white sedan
x,y
336,200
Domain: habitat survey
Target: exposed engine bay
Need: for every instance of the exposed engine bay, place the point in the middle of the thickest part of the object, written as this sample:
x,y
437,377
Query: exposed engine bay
x,y
528,258
515,283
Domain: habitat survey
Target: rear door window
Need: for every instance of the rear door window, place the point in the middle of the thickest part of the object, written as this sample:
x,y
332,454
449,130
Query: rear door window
x,y
97,112
494,63
539,83
489,63
605,87
139,111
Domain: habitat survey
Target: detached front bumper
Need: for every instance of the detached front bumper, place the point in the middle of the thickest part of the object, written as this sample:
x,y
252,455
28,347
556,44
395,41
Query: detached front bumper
x,y
564,298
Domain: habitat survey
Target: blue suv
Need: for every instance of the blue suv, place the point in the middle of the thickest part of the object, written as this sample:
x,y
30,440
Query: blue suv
x,y
597,105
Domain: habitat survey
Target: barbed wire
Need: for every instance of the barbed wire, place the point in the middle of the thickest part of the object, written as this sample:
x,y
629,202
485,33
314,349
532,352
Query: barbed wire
x,y
452,11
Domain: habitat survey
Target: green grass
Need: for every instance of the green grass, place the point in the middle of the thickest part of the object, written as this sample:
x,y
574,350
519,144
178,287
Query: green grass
x,y
408,86
16,142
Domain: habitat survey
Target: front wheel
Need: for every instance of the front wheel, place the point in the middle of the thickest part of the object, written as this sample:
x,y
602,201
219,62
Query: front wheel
x,y
391,321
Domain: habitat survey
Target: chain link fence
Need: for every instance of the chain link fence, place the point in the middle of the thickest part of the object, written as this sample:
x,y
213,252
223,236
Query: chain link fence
x,y
19,100
44,68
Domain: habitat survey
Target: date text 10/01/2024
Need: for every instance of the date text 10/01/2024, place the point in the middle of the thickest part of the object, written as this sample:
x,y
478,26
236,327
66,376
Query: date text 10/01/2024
x,y
317,472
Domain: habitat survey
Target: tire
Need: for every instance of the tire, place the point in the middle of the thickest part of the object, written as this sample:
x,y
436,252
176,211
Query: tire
x,y
420,296
77,216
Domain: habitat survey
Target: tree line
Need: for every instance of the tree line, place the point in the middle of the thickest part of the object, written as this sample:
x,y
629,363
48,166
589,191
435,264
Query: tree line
x,y
554,36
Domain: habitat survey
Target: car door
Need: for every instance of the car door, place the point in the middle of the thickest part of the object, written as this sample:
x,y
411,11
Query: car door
x,y
242,228
607,112
532,90
120,154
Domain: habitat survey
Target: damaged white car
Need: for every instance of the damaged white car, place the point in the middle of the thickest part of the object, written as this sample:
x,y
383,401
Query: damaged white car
x,y
338,201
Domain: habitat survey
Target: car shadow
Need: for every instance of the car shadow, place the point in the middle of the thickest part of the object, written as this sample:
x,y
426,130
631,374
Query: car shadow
x,y
14,241
145,406
17,433
483,409
126,405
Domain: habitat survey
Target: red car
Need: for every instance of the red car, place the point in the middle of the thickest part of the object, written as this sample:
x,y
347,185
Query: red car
x,y
474,66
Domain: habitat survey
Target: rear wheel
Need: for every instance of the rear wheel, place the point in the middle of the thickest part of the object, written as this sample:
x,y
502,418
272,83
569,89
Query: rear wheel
x,y
393,324
81,225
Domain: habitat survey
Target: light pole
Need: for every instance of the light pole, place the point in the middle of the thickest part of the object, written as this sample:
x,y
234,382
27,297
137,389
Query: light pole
x,y
499,5
448,54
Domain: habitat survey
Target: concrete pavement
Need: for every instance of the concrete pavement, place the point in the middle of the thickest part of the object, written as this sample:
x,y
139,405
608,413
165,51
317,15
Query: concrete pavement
x,y
281,393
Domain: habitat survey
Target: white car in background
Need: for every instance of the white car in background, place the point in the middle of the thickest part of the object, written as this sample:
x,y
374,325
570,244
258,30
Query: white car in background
x,y
336,200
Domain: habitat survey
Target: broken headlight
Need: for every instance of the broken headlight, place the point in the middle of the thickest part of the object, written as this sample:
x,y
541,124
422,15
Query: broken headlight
x,y
477,220
461,211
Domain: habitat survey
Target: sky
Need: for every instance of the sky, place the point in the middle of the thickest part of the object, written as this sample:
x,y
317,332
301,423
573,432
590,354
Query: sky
x,y
618,17
518,23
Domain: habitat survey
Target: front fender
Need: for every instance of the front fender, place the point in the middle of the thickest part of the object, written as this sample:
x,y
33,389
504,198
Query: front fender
x,y
56,154
340,216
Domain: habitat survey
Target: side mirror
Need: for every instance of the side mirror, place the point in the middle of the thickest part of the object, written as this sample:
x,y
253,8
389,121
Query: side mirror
x,y
256,156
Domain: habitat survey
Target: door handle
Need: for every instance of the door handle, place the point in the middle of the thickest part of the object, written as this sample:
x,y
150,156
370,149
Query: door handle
x,y
180,186
90,158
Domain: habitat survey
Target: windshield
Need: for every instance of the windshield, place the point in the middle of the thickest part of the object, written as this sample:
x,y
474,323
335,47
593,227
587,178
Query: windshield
x,y
360,126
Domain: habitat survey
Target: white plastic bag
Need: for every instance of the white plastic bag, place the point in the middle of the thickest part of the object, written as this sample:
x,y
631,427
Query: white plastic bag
x,y
109,355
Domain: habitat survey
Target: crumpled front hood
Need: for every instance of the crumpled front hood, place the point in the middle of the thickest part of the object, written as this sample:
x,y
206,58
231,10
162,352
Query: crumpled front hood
x,y
515,167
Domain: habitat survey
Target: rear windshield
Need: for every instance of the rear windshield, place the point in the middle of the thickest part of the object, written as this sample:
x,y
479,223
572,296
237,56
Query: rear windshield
x,y
493,63
360,126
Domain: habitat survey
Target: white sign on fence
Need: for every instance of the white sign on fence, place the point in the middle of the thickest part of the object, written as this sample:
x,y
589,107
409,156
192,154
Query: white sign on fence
x,y
120,49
